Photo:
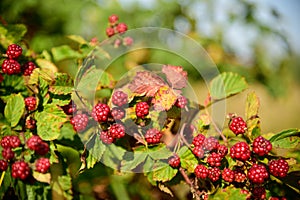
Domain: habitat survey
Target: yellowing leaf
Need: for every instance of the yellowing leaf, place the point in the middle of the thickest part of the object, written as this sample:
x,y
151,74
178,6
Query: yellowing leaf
x,y
165,98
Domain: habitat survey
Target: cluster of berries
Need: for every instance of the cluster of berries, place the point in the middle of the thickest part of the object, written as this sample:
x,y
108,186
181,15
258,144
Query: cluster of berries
x,y
19,168
11,66
248,169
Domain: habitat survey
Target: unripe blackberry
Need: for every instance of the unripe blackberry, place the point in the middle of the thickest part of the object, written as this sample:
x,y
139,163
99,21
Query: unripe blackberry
x,y
110,31
278,168
240,151
42,149
198,151
119,98
20,169
228,175
214,174
28,68
79,122
30,103
8,154
117,130
121,28
198,140
14,141
222,150
5,142
181,102
141,109
3,165
106,138
42,165
239,175
127,41
14,51
261,146
238,125
30,124
10,67
33,142
113,19
258,193
258,174
153,136
210,144
101,112
201,171
174,161
214,159
118,113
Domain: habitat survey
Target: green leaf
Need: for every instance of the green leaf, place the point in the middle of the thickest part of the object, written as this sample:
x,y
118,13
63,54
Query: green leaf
x,y
10,34
50,121
65,182
14,109
63,84
67,132
252,105
162,171
96,149
138,158
284,134
288,142
159,152
113,155
228,193
77,38
226,84
64,52
187,159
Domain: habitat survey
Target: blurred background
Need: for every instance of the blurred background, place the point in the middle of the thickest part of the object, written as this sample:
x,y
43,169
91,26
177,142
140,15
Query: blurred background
x,y
257,39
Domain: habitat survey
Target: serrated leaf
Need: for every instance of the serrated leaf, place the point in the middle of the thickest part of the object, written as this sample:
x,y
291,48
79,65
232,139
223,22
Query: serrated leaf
x,y
252,105
176,76
138,158
187,159
63,84
287,142
96,149
159,152
50,121
14,109
113,155
162,171
285,133
46,65
44,178
11,34
164,98
67,132
64,52
226,84
228,193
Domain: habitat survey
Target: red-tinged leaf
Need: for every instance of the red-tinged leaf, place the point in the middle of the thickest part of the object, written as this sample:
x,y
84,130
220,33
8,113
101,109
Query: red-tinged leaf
x,y
176,76
164,99
146,83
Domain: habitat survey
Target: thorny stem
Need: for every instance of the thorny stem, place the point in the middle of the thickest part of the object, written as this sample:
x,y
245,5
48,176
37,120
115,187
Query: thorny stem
x,y
182,136
194,189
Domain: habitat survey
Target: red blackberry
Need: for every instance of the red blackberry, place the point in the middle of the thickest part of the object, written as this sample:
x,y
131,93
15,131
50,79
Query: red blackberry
x,y
113,19
239,175
238,125
42,165
10,67
127,41
106,138
5,142
278,168
101,112
70,109
198,140
28,68
110,31
42,149
240,151
117,130
258,193
8,154
153,136
142,109
30,103
20,169
201,171
214,174
222,150
79,122
258,174
33,142
14,51
261,146
121,28
118,113
3,165
14,141
214,159
228,175
30,124
181,102
198,151
210,144
174,161
119,98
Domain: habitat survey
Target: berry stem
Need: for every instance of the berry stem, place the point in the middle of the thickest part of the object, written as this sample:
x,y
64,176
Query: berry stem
x,y
216,127
194,190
